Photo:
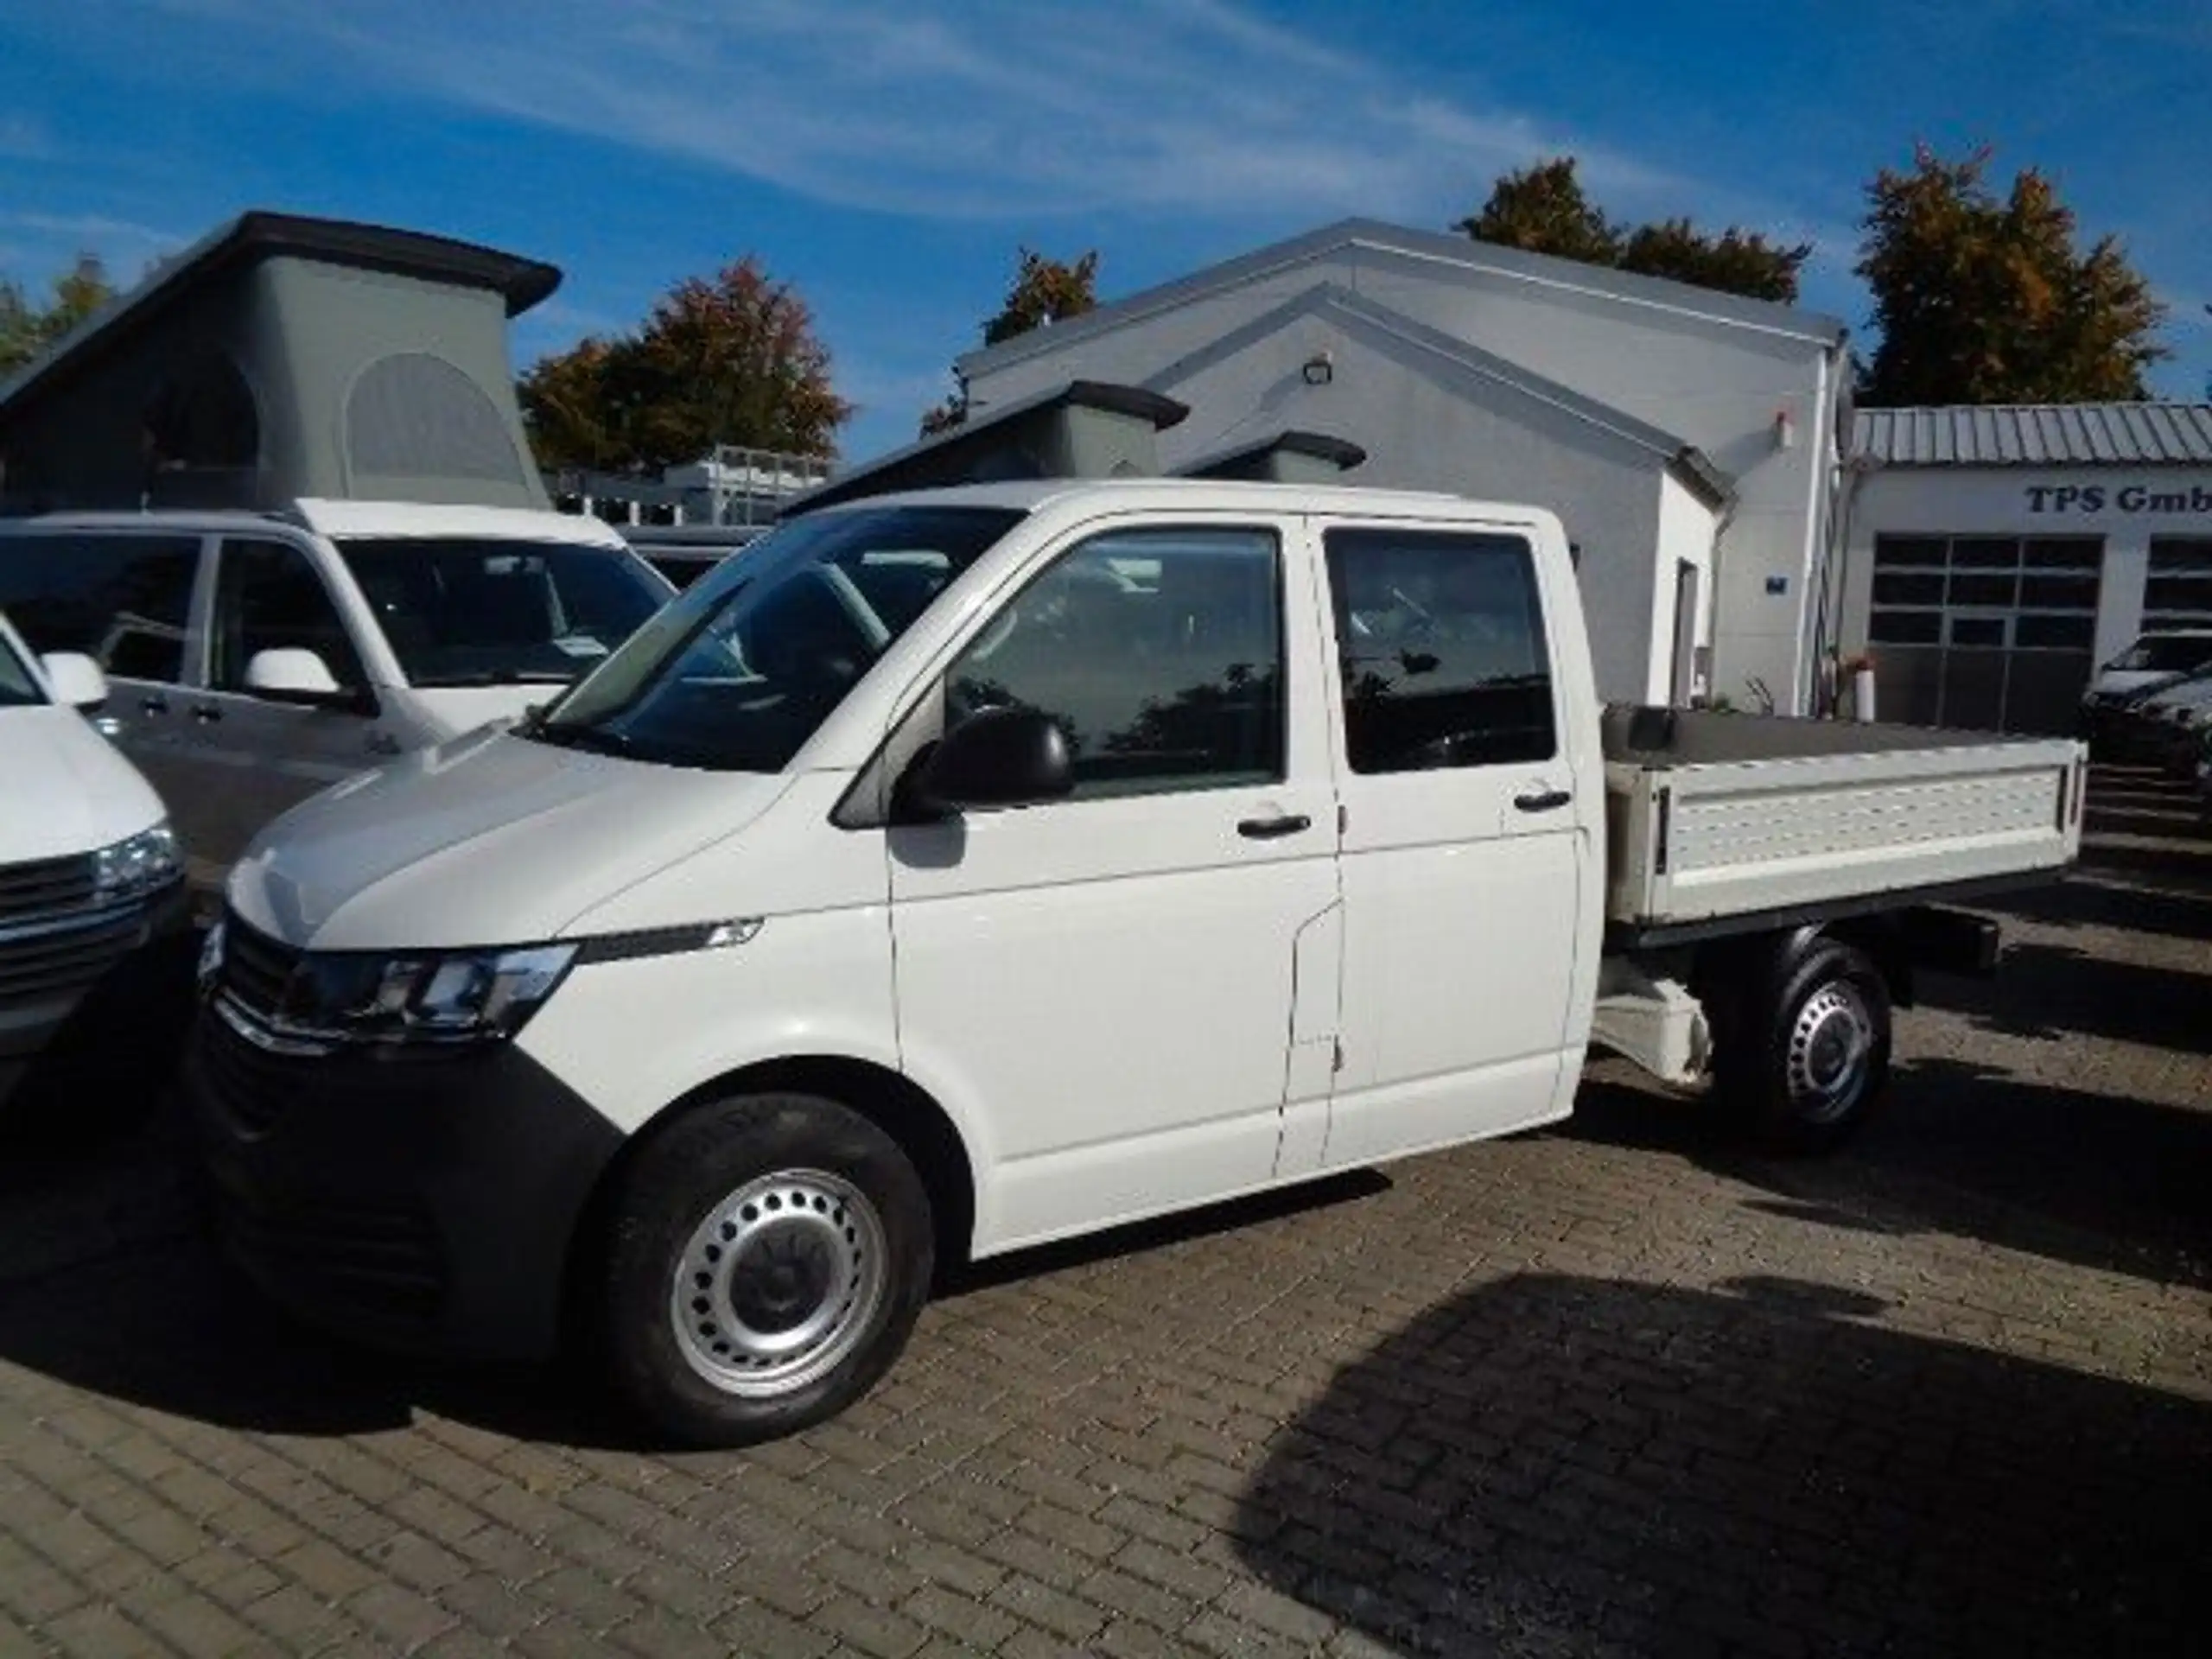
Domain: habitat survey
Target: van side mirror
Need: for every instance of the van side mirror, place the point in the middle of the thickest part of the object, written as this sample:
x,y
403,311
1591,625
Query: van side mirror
x,y
999,757
78,681
292,674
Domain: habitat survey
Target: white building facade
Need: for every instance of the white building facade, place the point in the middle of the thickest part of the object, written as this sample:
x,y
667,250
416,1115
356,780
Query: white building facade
x,y
1689,440
1993,557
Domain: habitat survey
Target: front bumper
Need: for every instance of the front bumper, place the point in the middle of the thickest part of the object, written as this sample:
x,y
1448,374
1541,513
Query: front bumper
x,y
77,999
421,1201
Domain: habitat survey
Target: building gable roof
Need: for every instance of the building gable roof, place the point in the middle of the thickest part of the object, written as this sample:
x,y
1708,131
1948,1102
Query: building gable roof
x,y
1448,252
2037,435
1362,316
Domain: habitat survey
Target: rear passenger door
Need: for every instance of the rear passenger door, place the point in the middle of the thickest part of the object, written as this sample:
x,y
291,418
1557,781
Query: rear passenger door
x,y
124,600
254,757
1462,852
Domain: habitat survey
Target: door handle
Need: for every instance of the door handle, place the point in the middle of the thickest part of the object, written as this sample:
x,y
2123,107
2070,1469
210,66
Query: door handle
x,y
1269,829
153,705
1549,800
206,714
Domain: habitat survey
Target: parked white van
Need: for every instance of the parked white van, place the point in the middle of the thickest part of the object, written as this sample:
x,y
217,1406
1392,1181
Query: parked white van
x,y
258,658
962,870
89,874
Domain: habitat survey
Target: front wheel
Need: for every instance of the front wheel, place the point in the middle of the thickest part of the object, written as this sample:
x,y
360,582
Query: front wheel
x,y
1806,1056
766,1261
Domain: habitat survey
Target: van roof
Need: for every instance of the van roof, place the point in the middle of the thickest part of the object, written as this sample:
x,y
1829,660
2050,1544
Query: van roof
x,y
327,517
1029,495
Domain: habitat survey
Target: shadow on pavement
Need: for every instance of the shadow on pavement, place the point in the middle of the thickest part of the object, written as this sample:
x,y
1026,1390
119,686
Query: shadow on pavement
x,y
1562,1464
2051,991
2087,901
2092,1179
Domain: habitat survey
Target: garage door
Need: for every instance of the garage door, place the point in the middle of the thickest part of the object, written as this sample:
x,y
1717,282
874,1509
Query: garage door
x,y
1989,632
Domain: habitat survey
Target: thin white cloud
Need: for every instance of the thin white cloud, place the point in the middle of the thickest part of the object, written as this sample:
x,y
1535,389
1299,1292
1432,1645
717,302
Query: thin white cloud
x,y
993,109
95,232
23,139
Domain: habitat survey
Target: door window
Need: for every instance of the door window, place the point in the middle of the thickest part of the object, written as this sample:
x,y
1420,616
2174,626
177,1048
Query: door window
x,y
1441,639
124,600
268,597
1160,653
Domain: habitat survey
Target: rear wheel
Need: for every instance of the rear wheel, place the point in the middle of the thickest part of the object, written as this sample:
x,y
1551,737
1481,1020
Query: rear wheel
x,y
1804,1055
766,1258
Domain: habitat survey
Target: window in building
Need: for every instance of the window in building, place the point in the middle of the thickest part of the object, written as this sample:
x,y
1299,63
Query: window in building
x,y
2179,593
1441,639
1985,630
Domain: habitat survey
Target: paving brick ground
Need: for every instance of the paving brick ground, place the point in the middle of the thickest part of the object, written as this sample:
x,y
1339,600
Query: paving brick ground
x,y
1614,1388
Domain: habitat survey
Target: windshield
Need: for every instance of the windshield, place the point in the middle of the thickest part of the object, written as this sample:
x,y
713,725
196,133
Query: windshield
x,y
2165,654
739,671
464,611
17,688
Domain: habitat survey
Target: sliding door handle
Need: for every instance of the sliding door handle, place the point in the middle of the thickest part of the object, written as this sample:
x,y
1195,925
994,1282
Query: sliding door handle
x,y
1549,800
1269,829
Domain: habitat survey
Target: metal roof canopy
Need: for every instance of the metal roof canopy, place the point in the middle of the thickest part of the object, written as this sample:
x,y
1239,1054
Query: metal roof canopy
x,y
2037,435
1289,456
279,357
1086,429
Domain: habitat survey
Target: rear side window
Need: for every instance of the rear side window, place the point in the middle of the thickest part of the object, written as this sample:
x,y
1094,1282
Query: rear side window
x,y
123,600
268,597
1441,639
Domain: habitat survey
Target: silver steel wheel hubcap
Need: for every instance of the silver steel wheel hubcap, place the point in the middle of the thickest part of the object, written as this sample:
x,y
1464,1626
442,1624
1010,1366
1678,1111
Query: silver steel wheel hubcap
x,y
1831,1049
779,1283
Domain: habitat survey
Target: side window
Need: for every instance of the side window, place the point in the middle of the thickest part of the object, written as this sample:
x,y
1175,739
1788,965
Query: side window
x,y
124,600
269,597
1159,651
1441,636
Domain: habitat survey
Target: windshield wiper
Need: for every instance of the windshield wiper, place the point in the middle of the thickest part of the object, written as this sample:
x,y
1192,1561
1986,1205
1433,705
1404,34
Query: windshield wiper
x,y
598,739
493,677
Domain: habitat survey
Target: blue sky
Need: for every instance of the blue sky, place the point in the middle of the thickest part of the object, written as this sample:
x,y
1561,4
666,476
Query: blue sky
x,y
888,158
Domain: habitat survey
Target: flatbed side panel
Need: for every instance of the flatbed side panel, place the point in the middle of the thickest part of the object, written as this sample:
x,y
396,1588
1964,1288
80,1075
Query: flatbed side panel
x,y
1767,835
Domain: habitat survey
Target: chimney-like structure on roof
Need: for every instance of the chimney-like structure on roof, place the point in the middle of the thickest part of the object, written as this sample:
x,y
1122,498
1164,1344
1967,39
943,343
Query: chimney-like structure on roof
x,y
280,357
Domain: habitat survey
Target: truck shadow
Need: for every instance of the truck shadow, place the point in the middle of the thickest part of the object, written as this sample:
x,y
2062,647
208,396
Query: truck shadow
x,y
2090,901
2093,1179
1551,1463
2053,991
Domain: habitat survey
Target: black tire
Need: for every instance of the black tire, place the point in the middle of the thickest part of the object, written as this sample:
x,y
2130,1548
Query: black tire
x,y
1802,1049
765,1205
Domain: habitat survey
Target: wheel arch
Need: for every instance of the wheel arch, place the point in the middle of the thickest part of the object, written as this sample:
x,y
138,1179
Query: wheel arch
x,y
893,1103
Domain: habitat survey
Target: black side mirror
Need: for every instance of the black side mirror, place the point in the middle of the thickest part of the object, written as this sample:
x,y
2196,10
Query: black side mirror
x,y
999,757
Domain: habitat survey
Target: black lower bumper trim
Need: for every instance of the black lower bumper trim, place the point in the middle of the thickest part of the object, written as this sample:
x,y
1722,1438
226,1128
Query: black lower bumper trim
x,y
428,1203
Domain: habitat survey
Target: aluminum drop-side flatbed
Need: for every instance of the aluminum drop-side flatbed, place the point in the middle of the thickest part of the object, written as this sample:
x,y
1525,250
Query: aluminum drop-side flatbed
x,y
1717,823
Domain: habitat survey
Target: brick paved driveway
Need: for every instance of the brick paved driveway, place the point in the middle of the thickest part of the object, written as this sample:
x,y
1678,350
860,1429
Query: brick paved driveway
x,y
1611,1388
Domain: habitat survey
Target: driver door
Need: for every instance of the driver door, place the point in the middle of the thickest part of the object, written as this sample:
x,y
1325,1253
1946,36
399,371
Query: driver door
x,y
1109,980
252,759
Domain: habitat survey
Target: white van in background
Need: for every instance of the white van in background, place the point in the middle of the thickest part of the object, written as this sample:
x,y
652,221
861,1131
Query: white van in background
x,y
89,874
256,657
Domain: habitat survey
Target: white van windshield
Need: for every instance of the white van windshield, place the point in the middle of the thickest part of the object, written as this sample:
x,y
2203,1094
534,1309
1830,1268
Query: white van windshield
x,y
739,671
469,611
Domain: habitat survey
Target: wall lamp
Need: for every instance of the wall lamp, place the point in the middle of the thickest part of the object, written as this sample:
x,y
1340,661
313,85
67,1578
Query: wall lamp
x,y
1318,370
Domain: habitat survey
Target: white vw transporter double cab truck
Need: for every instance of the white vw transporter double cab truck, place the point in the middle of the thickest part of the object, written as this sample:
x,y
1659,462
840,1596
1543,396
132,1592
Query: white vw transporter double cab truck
x,y
966,870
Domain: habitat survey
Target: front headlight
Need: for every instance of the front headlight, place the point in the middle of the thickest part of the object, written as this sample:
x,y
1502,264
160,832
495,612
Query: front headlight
x,y
444,997
144,862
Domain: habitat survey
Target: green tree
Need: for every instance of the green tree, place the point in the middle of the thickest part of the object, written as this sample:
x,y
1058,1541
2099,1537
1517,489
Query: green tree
x,y
1544,209
1983,299
1045,291
27,327
731,360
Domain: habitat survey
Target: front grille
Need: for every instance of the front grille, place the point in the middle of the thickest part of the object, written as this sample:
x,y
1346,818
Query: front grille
x,y
70,958
257,970
50,887
384,1260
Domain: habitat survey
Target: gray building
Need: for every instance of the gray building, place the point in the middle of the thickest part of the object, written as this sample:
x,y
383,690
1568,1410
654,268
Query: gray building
x,y
1688,439
1991,557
